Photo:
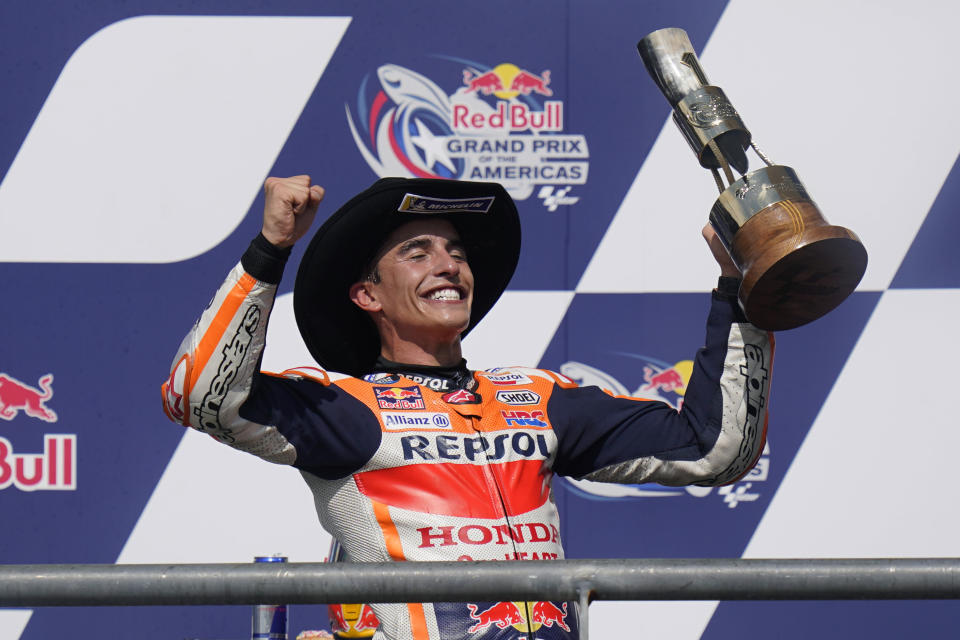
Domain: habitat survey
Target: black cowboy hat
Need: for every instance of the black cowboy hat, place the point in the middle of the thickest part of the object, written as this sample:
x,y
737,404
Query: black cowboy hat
x,y
342,337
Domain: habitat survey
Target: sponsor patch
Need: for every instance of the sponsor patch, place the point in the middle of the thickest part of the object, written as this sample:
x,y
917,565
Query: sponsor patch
x,y
431,382
413,203
461,396
518,396
403,398
505,379
523,418
420,420
506,445
382,378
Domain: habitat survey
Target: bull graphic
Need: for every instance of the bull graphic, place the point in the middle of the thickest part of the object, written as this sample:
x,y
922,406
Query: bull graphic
x,y
16,396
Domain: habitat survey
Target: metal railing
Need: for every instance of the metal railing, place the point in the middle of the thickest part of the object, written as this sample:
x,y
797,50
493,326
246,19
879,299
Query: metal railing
x,y
577,580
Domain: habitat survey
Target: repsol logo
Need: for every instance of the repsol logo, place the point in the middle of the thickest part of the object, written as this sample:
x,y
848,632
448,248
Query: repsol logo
x,y
508,378
462,447
436,384
481,534
233,355
424,420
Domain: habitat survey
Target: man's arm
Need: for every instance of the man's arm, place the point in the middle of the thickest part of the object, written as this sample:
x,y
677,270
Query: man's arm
x,y
717,435
217,363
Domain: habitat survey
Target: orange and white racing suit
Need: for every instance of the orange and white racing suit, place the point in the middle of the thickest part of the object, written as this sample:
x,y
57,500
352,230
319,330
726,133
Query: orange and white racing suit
x,y
414,463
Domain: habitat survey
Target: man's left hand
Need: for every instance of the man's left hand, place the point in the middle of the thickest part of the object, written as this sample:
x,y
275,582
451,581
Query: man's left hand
x,y
727,266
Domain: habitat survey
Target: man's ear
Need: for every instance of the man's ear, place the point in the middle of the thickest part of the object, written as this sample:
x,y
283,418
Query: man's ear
x,y
362,296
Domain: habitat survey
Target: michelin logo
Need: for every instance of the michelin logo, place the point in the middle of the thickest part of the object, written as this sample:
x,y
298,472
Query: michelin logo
x,y
420,420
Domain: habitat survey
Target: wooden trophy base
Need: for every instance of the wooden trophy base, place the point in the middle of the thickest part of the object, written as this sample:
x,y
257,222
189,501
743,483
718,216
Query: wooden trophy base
x,y
796,267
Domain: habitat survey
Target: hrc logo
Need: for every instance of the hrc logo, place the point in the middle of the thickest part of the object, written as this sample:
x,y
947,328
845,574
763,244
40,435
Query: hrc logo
x,y
523,418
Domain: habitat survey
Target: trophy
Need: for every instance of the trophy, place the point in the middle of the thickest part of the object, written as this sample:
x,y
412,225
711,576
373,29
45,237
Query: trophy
x,y
796,267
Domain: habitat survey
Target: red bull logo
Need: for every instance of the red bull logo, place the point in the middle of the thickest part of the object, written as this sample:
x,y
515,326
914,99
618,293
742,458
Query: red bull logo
x,y
54,469
525,82
502,614
485,83
548,614
398,393
507,81
487,129
406,398
673,379
525,617
15,396
352,620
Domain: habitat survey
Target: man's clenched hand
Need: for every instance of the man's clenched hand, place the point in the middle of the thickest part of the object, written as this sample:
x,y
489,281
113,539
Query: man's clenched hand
x,y
727,266
289,207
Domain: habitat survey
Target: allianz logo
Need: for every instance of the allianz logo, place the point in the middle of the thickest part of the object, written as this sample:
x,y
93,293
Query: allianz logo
x,y
420,419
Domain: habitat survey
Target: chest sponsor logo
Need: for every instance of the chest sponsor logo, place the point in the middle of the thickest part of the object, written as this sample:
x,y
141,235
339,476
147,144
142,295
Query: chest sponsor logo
x,y
461,448
461,396
435,384
382,378
520,396
498,534
504,379
524,418
403,398
424,420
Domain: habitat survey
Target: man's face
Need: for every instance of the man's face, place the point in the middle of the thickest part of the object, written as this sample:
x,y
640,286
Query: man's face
x,y
425,288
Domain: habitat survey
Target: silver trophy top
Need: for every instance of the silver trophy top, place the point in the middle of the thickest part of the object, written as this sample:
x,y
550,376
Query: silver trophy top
x,y
672,62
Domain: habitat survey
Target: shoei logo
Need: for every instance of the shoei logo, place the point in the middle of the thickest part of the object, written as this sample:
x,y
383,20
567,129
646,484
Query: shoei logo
x,y
413,203
518,397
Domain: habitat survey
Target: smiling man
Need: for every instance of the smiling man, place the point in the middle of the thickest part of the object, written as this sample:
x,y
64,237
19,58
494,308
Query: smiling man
x,y
413,456
418,293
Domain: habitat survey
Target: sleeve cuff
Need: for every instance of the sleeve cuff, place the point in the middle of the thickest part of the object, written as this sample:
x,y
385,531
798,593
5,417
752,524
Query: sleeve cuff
x,y
726,291
264,261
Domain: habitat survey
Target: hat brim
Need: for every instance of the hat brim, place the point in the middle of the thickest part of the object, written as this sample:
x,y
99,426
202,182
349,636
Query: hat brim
x,y
339,335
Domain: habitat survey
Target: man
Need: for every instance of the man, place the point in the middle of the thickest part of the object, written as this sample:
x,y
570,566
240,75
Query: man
x,y
414,456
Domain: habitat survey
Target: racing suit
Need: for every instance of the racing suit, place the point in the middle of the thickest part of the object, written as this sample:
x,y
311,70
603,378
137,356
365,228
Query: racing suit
x,y
414,463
